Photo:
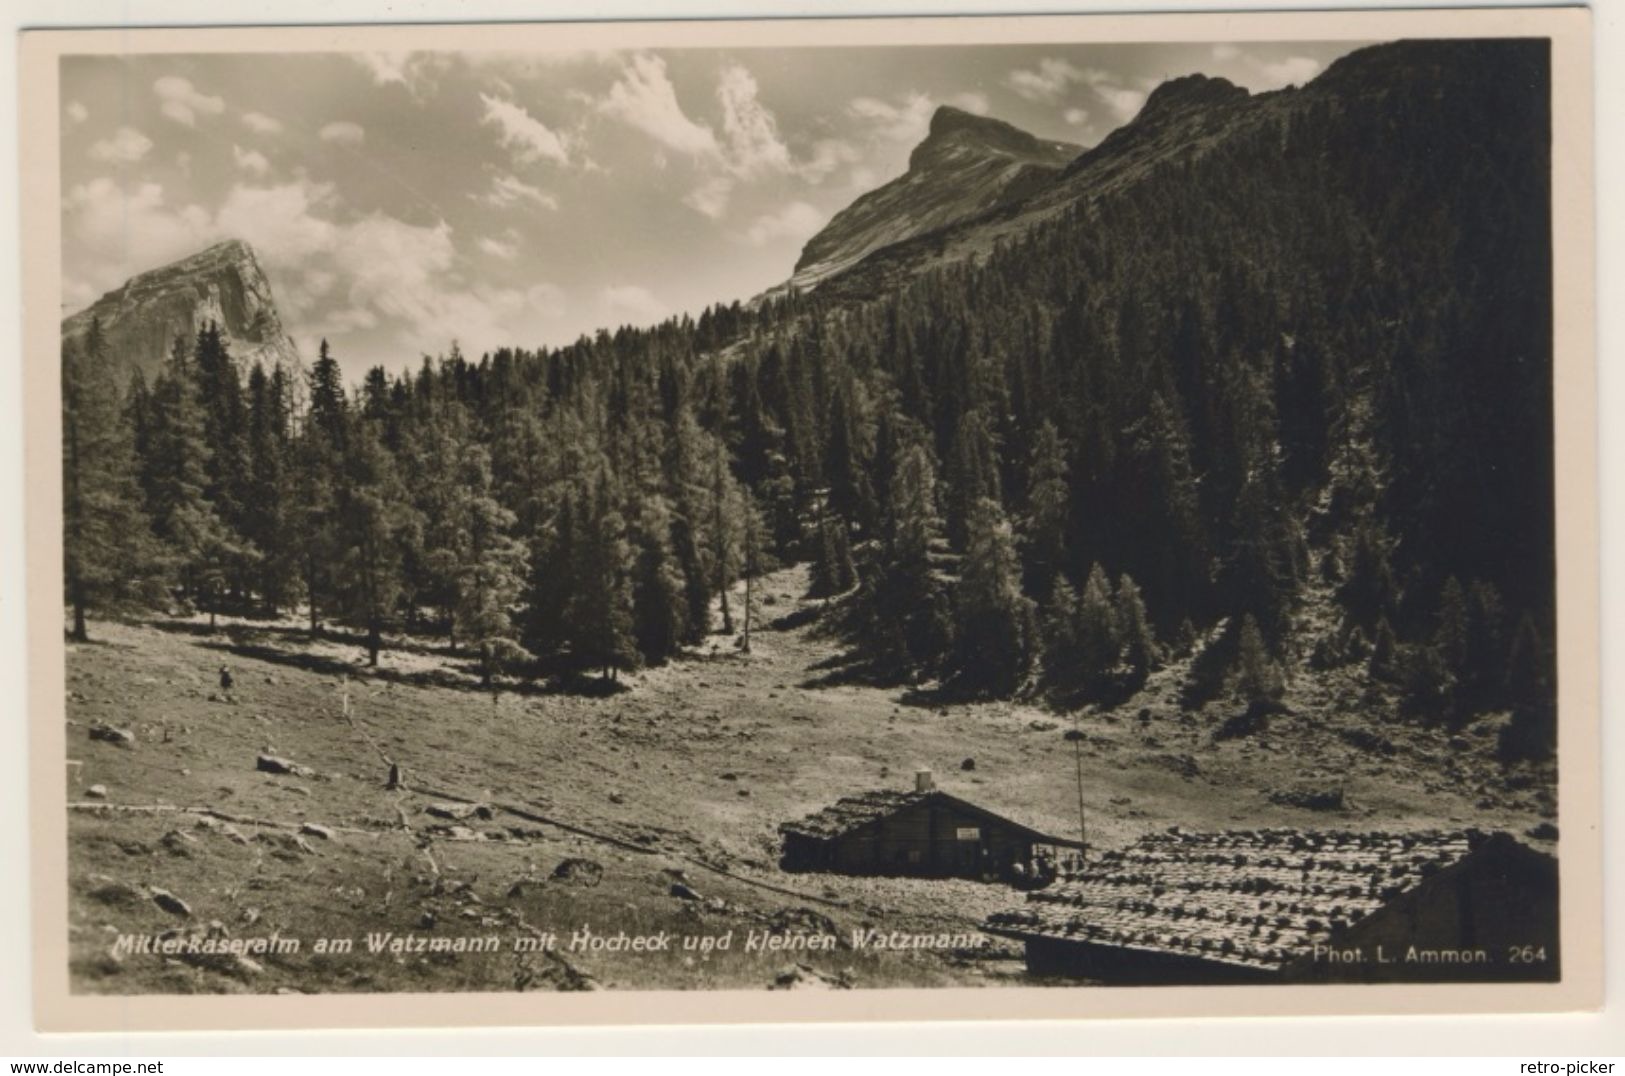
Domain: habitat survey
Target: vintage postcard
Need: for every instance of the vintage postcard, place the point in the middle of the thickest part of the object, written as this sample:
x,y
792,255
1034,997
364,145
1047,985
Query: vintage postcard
x,y
812,520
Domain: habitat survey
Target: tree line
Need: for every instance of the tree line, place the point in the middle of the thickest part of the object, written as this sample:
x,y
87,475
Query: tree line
x,y
1155,426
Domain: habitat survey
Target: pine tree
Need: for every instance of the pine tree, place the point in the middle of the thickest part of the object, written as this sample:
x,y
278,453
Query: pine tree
x,y
850,491
374,525
184,520
1099,642
1063,652
1048,507
600,625
491,572
1258,678
267,513
974,475
1134,628
659,608
995,623
108,558
909,623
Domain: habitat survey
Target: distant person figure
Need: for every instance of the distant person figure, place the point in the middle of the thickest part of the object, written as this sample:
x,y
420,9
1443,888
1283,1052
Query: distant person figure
x,y
225,679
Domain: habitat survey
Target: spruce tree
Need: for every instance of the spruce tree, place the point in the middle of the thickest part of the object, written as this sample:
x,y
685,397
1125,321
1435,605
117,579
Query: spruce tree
x,y
374,524
1048,507
108,557
995,623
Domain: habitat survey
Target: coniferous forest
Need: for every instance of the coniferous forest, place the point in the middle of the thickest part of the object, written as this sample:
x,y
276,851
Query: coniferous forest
x,y
1276,401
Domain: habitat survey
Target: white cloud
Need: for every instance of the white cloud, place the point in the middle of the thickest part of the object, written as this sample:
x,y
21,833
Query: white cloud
x,y
644,98
1225,52
905,122
631,303
127,146
971,102
530,139
1077,117
417,71
281,221
1046,83
506,248
123,232
260,123
509,190
828,154
1122,100
711,197
183,103
344,133
1292,71
77,112
251,161
796,221
754,145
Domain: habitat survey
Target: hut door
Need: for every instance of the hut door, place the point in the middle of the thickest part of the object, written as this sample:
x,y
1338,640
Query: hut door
x,y
968,850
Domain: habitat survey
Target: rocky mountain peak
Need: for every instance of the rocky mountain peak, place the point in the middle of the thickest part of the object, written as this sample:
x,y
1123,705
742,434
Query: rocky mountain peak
x,y
967,166
223,283
1190,91
954,127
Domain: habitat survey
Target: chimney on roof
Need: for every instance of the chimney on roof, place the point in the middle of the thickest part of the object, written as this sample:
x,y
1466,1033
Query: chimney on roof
x,y
923,781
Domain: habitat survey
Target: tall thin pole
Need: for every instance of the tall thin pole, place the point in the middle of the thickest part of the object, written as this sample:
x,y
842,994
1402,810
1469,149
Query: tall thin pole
x,y
1077,756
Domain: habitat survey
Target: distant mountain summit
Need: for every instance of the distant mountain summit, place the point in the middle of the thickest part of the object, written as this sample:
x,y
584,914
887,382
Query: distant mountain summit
x,y
967,166
224,284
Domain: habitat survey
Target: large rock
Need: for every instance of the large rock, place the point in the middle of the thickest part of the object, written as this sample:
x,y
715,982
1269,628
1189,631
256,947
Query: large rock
x,y
223,284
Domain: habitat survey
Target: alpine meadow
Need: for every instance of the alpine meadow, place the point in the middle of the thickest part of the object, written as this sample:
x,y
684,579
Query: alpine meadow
x,y
1197,474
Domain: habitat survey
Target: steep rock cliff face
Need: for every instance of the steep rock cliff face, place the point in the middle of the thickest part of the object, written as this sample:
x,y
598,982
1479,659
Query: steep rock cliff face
x,y
223,284
967,166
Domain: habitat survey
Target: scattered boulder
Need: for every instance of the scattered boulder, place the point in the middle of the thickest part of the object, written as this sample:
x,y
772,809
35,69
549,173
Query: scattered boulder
x,y
282,767
115,736
315,829
286,845
575,871
224,829
1042,726
684,892
806,977
458,812
1310,799
96,792
178,843
968,765
616,797
172,904
116,894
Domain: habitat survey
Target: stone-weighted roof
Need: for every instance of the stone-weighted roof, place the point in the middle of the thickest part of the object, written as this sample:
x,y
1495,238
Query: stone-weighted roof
x,y
1252,898
853,812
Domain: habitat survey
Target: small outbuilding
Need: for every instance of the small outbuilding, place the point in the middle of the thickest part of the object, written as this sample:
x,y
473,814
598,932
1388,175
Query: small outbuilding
x,y
1286,905
924,832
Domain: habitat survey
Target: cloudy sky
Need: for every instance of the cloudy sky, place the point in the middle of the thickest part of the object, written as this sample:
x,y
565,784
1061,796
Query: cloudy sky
x,y
399,201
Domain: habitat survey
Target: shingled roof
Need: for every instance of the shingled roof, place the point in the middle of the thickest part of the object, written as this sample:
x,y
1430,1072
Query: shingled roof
x,y
1251,898
851,813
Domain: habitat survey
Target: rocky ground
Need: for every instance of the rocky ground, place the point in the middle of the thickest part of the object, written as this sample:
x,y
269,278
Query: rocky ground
x,y
207,817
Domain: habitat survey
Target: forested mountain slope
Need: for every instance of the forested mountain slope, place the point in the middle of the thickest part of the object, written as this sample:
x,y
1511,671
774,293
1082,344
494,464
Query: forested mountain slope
x,y
1249,352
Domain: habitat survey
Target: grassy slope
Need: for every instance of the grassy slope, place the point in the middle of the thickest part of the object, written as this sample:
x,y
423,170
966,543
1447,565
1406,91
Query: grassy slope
x,y
696,765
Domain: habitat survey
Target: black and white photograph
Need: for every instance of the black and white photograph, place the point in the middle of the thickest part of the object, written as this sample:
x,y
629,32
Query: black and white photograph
x,y
867,515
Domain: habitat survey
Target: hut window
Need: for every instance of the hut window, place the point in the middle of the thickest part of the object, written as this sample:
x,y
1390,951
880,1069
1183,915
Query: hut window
x,y
969,833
